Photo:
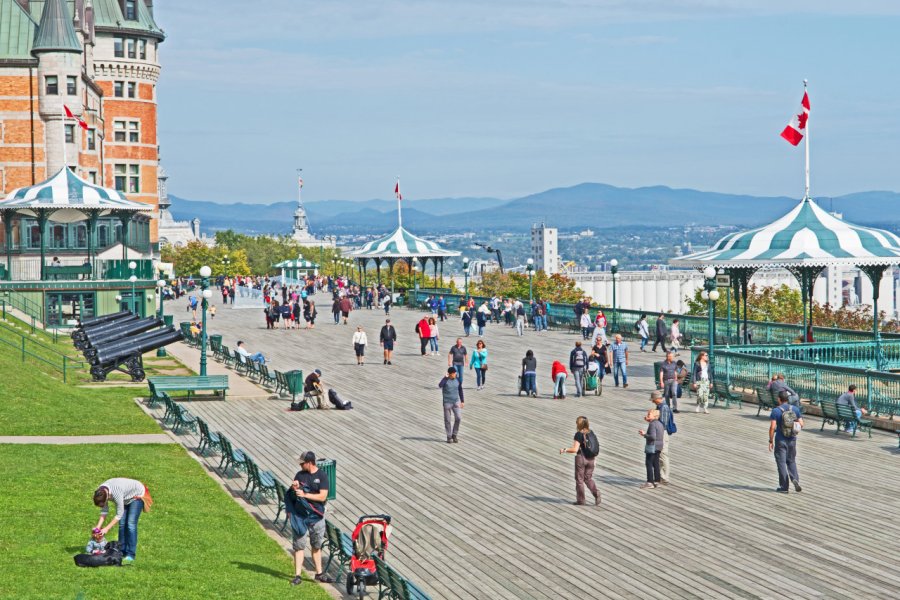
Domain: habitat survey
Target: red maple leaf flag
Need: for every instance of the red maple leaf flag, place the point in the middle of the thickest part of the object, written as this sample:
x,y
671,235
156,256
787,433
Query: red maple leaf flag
x,y
795,130
70,115
397,191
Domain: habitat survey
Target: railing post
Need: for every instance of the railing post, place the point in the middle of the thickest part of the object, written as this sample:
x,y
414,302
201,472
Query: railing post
x,y
65,365
32,326
869,389
769,363
23,348
816,371
4,309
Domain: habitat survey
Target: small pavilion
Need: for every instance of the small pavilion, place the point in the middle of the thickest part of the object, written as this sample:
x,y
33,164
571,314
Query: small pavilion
x,y
293,270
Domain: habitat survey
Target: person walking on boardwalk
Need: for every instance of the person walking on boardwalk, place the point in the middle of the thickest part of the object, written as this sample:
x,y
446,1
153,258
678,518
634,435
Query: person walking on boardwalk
x,y
700,381
660,333
785,422
478,362
520,318
453,400
305,503
668,381
578,360
585,447
386,338
131,498
467,322
529,374
435,335
456,358
619,352
654,438
336,310
643,331
346,305
558,374
359,345
424,332
667,421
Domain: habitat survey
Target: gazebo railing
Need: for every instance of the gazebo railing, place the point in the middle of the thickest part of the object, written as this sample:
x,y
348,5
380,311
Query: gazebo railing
x,y
29,269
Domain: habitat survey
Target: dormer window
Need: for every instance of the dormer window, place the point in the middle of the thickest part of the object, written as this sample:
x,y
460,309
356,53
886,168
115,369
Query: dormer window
x,y
130,10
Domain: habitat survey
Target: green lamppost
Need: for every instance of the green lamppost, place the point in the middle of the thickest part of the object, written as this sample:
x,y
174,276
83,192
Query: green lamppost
x,y
614,269
415,268
133,278
466,275
226,262
205,272
160,285
711,294
529,266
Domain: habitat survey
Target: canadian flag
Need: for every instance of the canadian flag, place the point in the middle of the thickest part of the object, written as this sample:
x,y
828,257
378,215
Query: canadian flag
x,y
397,191
796,129
81,121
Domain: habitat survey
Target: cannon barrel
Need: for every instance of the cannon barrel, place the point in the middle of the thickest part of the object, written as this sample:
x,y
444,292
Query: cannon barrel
x,y
118,344
81,334
98,320
125,329
143,343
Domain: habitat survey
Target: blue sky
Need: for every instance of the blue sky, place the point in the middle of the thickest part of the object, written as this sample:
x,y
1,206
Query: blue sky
x,y
510,97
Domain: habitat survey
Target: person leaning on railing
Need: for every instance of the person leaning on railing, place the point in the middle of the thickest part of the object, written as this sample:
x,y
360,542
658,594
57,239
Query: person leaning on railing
x,y
778,385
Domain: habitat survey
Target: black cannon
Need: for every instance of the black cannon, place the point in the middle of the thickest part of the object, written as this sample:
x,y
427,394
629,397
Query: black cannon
x,y
103,352
129,328
81,334
128,360
98,320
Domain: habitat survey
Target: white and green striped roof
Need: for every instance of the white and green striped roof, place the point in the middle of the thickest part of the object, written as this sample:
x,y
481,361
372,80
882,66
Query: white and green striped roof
x,y
66,190
807,235
402,244
298,263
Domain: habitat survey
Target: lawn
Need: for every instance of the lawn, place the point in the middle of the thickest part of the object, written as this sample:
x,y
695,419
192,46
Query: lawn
x,y
39,403
195,543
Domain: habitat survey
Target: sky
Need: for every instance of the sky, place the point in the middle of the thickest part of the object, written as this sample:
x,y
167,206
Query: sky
x,y
506,98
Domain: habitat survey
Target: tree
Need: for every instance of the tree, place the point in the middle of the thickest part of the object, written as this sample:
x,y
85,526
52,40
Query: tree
x,y
556,287
188,259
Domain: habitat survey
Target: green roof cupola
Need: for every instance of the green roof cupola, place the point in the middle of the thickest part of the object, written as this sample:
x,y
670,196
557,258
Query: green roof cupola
x,y
55,32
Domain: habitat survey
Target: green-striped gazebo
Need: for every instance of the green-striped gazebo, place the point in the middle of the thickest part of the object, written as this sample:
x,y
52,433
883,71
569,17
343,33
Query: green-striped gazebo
x,y
804,241
292,268
402,245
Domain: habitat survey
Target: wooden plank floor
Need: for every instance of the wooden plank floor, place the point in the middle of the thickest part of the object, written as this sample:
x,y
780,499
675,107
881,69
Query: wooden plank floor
x,y
491,517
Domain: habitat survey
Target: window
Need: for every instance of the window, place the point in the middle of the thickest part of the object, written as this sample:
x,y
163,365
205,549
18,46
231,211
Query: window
x,y
119,89
134,132
131,10
91,139
92,176
71,85
134,179
119,131
52,85
129,131
119,47
132,87
142,48
70,134
121,179
131,43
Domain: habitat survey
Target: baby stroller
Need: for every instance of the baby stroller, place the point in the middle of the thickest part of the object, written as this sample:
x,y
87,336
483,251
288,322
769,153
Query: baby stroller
x,y
592,378
370,538
521,389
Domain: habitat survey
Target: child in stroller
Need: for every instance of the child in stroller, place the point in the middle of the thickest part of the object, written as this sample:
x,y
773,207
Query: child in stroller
x,y
370,539
592,378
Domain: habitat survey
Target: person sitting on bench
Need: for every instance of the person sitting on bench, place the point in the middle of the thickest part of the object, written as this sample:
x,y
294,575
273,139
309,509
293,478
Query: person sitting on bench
x,y
256,357
313,388
778,385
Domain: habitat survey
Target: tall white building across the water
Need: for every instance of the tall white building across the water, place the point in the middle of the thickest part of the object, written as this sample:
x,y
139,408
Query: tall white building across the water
x,y
545,248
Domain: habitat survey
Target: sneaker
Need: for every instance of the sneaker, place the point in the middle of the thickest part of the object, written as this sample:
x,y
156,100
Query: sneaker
x,y
385,361
645,486
705,411
597,500
128,560
697,409
781,491
297,580
323,578
455,441
624,385
675,410
449,440
797,486
390,363
576,503
664,482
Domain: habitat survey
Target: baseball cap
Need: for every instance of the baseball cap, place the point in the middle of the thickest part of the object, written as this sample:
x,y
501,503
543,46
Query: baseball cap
x,y
308,457
318,371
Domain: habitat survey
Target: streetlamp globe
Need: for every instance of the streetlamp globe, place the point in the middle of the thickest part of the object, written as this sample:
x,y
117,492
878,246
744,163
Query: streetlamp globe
x,y
205,271
118,298
530,263
133,278
132,265
704,294
161,284
714,295
709,272
614,263
207,294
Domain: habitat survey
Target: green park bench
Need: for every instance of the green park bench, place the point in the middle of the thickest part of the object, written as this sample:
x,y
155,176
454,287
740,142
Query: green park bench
x,y
340,546
189,384
847,416
209,440
721,392
233,459
394,586
765,398
66,271
829,414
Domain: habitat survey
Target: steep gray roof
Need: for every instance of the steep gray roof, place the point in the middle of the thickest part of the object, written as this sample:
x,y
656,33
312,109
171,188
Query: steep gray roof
x,y
55,32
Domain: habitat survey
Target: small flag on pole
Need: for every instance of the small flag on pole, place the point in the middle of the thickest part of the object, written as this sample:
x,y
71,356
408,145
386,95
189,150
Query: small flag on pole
x,y
796,129
81,122
301,182
397,191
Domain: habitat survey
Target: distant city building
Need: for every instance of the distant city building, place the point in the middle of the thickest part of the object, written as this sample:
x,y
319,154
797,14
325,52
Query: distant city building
x,y
300,231
545,249
172,232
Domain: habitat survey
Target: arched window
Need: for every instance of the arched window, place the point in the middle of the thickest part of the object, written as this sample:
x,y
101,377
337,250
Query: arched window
x,y
58,236
81,235
102,235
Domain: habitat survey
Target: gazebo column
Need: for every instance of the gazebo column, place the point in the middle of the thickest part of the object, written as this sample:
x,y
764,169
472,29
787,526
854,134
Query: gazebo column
x,y
435,261
7,224
442,272
391,265
741,282
875,274
806,276
92,240
43,216
378,270
125,218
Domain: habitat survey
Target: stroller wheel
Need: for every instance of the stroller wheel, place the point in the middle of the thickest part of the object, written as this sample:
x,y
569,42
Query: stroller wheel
x,y
350,582
361,588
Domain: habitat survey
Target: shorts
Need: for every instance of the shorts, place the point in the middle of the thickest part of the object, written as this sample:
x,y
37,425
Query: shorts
x,y
315,534
388,344
360,349
345,314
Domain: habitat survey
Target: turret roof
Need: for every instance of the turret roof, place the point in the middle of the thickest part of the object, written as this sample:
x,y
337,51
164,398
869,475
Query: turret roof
x,y
108,14
16,31
55,32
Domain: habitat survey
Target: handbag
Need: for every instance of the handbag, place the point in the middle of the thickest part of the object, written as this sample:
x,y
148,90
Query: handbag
x,y
484,367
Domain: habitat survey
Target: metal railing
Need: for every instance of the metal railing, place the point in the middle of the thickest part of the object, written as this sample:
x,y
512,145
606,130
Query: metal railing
x,y
861,355
38,351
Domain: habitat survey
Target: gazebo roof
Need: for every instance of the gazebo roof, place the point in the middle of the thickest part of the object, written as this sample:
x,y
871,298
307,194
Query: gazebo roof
x,y
402,244
298,263
806,236
65,190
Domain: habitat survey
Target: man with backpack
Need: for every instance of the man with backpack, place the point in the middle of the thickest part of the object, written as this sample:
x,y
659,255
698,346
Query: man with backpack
x,y
578,359
305,503
785,422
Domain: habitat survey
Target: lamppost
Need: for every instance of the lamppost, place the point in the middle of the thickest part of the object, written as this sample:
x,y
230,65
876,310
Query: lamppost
x,y
205,272
711,294
529,266
466,275
614,269
415,268
226,262
160,285
119,300
133,265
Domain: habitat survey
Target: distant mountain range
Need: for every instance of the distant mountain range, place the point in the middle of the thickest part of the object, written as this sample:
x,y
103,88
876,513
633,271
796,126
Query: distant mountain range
x,y
593,205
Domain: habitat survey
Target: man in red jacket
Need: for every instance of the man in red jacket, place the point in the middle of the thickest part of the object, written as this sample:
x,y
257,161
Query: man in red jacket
x,y
346,306
424,331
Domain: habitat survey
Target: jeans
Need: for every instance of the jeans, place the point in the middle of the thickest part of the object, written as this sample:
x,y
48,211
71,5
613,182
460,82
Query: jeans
x,y
619,367
585,333
851,427
560,388
664,459
529,383
480,330
578,375
670,393
584,475
480,377
644,342
337,318
434,344
459,372
128,527
454,412
467,329
423,342
258,357
786,460
652,463
520,326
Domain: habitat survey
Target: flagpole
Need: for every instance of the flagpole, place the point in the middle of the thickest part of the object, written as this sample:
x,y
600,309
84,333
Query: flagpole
x,y
807,145
399,214
65,157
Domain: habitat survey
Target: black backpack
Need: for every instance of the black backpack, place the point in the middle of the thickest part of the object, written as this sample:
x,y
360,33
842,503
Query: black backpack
x,y
637,325
112,557
337,402
590,447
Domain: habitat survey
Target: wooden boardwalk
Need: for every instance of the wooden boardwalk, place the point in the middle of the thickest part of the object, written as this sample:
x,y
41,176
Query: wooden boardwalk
x,y
491,517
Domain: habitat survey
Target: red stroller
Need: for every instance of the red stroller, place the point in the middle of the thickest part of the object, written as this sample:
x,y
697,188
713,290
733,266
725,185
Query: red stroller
x,y
370,539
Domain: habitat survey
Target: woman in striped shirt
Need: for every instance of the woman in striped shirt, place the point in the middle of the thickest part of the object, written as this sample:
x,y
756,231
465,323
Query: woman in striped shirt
x,y
131,498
